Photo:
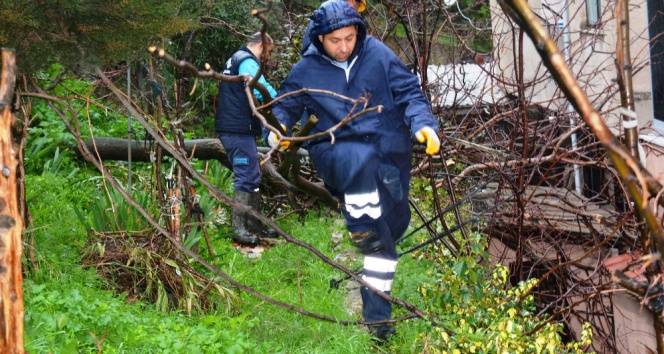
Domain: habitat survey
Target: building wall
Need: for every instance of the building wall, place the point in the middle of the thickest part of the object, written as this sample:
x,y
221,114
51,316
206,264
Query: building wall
x,y
591,52
634,329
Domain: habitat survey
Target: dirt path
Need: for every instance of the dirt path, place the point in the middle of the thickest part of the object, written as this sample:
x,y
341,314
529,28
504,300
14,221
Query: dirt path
x,y
348,258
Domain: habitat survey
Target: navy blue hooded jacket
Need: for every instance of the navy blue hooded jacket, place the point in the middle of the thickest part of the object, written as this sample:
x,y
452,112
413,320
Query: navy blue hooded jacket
x,y
374,72
306,40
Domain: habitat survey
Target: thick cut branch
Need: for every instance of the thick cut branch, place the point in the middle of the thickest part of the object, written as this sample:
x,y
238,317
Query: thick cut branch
x,y
141,150
11,222
207,149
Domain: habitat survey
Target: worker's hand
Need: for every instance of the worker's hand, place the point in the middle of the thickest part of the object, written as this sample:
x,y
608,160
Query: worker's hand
x,y
429,135
272,140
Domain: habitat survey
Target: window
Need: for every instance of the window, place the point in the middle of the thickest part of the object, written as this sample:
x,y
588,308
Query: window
x,y
593,11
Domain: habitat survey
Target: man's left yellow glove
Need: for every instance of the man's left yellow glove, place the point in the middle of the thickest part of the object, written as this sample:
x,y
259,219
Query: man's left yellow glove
x,y
429,135
272,140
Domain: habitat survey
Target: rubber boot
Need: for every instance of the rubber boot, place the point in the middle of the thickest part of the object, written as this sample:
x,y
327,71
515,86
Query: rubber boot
x,y
255,226
240,220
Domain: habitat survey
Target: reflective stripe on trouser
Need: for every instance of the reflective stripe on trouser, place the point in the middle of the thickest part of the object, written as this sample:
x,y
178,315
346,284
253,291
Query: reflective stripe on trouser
x,y
379,273
359,204
362,173
379,268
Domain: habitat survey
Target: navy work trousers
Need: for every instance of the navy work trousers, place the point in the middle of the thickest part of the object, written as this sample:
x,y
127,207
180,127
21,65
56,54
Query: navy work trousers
x,y
243,155
374,189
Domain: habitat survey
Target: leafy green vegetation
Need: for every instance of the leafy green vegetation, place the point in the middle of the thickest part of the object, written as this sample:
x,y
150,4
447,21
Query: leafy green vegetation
x,y
68,310
487,314
64,317
112,31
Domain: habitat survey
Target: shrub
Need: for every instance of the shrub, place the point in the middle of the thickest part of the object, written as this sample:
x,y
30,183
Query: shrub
x,y
485,313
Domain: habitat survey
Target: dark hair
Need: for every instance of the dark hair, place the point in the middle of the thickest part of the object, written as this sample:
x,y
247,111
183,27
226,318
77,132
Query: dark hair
x,y
257,38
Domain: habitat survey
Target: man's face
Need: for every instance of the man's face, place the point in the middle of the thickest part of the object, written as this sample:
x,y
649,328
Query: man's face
x,y
270,48
340,44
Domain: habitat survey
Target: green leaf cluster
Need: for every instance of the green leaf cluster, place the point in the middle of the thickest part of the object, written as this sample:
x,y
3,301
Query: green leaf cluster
x,y
486,314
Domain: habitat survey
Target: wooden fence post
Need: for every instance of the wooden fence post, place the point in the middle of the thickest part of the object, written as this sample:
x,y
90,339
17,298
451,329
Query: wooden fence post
x,y
11,222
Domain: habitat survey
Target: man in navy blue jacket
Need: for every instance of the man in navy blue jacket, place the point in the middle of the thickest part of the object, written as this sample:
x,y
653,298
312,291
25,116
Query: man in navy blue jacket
x,y
238,128
368,164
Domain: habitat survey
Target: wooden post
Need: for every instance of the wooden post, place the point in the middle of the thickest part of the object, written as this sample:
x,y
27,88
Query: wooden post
x,y
11,223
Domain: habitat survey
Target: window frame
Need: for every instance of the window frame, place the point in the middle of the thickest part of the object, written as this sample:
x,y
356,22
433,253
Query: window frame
x,y
593,12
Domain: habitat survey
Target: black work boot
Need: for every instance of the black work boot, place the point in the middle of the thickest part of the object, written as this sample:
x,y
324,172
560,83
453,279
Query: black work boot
x,y
381,334
241,220
255,226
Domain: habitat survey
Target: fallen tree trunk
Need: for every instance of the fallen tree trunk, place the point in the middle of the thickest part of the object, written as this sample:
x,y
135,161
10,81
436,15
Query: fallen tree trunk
x,y
141,150
204,149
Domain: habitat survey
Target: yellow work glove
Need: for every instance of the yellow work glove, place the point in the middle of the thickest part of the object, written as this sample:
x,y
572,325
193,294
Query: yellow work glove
x,y
272,140
429,135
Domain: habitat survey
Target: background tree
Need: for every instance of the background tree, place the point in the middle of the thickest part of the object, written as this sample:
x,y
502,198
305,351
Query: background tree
x,y
82,34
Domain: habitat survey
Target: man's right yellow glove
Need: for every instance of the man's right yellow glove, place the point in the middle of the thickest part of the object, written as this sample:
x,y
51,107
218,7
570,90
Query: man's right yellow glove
x,y
429,135
273,141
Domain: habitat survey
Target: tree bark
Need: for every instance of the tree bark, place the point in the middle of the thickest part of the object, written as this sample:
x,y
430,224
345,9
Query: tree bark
x,y
206,149
202,149
11,223
144,150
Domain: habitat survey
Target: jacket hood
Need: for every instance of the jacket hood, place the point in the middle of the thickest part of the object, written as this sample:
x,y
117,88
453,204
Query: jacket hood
x,y
333,15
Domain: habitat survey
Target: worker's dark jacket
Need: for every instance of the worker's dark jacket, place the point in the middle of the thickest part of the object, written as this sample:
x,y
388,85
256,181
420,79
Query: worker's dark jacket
x,y
233,111
306,40
376,73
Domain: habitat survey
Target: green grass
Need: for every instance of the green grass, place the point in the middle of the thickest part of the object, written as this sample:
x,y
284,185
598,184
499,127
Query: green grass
x,y
74,317
295,276
67,309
